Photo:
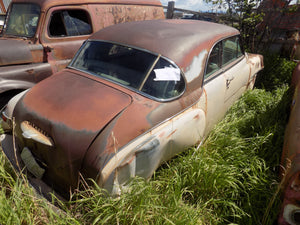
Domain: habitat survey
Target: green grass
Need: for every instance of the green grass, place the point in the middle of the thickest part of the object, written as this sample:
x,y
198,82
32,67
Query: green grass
x,y
18,202
231,179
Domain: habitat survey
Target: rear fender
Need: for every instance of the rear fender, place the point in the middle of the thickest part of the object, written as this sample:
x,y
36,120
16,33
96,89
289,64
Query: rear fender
x,y
142,156
256,64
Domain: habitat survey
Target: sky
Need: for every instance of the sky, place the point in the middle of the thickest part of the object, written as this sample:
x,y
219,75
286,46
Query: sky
x,y
194,5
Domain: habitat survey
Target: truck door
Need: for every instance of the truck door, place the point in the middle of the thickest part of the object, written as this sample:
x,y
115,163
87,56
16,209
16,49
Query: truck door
x,y
65,29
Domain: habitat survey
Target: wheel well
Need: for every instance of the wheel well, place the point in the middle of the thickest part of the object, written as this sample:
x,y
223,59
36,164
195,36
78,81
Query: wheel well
x,y
6,96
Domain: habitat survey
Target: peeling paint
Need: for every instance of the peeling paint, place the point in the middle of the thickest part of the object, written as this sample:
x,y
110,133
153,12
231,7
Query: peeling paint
x,y
196,67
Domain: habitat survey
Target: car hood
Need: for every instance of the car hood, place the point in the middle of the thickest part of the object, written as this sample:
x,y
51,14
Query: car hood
x,y
14,52
71,110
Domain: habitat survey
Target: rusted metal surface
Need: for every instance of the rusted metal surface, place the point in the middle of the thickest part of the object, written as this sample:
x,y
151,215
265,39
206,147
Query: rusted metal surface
x,y
46,4
291,160
26,75
58,51
108,132
19,54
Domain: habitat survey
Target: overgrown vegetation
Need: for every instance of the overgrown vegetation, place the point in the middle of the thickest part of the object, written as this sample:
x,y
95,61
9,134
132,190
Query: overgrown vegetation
x,y
231,179
245,16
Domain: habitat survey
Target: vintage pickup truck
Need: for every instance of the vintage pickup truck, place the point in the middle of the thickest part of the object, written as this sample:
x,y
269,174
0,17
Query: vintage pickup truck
x,y
40,37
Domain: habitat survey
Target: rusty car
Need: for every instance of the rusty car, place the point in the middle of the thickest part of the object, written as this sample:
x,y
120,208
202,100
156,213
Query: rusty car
x,y
40,37
127,103
290,160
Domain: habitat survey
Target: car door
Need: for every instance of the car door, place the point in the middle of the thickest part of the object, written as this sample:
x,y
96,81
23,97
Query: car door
x,y
214,88
236,70
65,29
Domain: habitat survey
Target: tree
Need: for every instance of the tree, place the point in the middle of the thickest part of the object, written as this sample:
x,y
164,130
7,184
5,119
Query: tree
x,y
243,15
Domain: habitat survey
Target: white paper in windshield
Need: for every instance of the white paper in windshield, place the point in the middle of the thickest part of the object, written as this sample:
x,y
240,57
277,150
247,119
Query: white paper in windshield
x,y
167,74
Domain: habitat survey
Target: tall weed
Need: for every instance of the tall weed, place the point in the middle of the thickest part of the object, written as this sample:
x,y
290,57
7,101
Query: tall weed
x,y
277,71
19,204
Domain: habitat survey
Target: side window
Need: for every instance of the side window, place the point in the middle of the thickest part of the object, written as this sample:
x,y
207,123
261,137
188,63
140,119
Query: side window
x,y
214,61
69,23
239,49
231,50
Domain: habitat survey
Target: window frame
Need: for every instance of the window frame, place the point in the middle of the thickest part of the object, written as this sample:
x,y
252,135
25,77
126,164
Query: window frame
x,y
61,11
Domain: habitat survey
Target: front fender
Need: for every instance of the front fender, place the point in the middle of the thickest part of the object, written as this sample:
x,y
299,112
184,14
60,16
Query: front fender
x,y
23,76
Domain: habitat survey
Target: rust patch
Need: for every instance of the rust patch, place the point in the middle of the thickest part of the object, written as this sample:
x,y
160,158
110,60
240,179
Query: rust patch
x,y
197,117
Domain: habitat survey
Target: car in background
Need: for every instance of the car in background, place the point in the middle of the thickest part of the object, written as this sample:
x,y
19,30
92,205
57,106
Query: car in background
x,y
126,103
290,161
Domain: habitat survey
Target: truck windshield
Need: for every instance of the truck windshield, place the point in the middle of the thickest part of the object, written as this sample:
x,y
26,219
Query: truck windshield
x,y
22,20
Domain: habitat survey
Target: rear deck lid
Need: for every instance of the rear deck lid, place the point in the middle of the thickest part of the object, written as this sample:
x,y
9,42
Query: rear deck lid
x,y
75,101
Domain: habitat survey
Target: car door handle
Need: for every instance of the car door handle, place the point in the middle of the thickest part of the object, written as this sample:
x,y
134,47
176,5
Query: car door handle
x,y
228,81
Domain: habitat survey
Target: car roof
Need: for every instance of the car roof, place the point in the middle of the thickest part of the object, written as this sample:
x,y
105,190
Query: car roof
x,y
45,4
179,40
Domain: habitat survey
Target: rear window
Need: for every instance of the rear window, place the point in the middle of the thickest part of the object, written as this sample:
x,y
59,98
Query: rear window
x,y
139,70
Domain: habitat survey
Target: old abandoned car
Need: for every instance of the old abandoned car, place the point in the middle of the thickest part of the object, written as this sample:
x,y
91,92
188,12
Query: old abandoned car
x,y
290,161
40,37
128,102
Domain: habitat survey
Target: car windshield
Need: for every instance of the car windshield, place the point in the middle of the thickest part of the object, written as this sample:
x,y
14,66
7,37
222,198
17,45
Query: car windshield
x,y
22,20
136,69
